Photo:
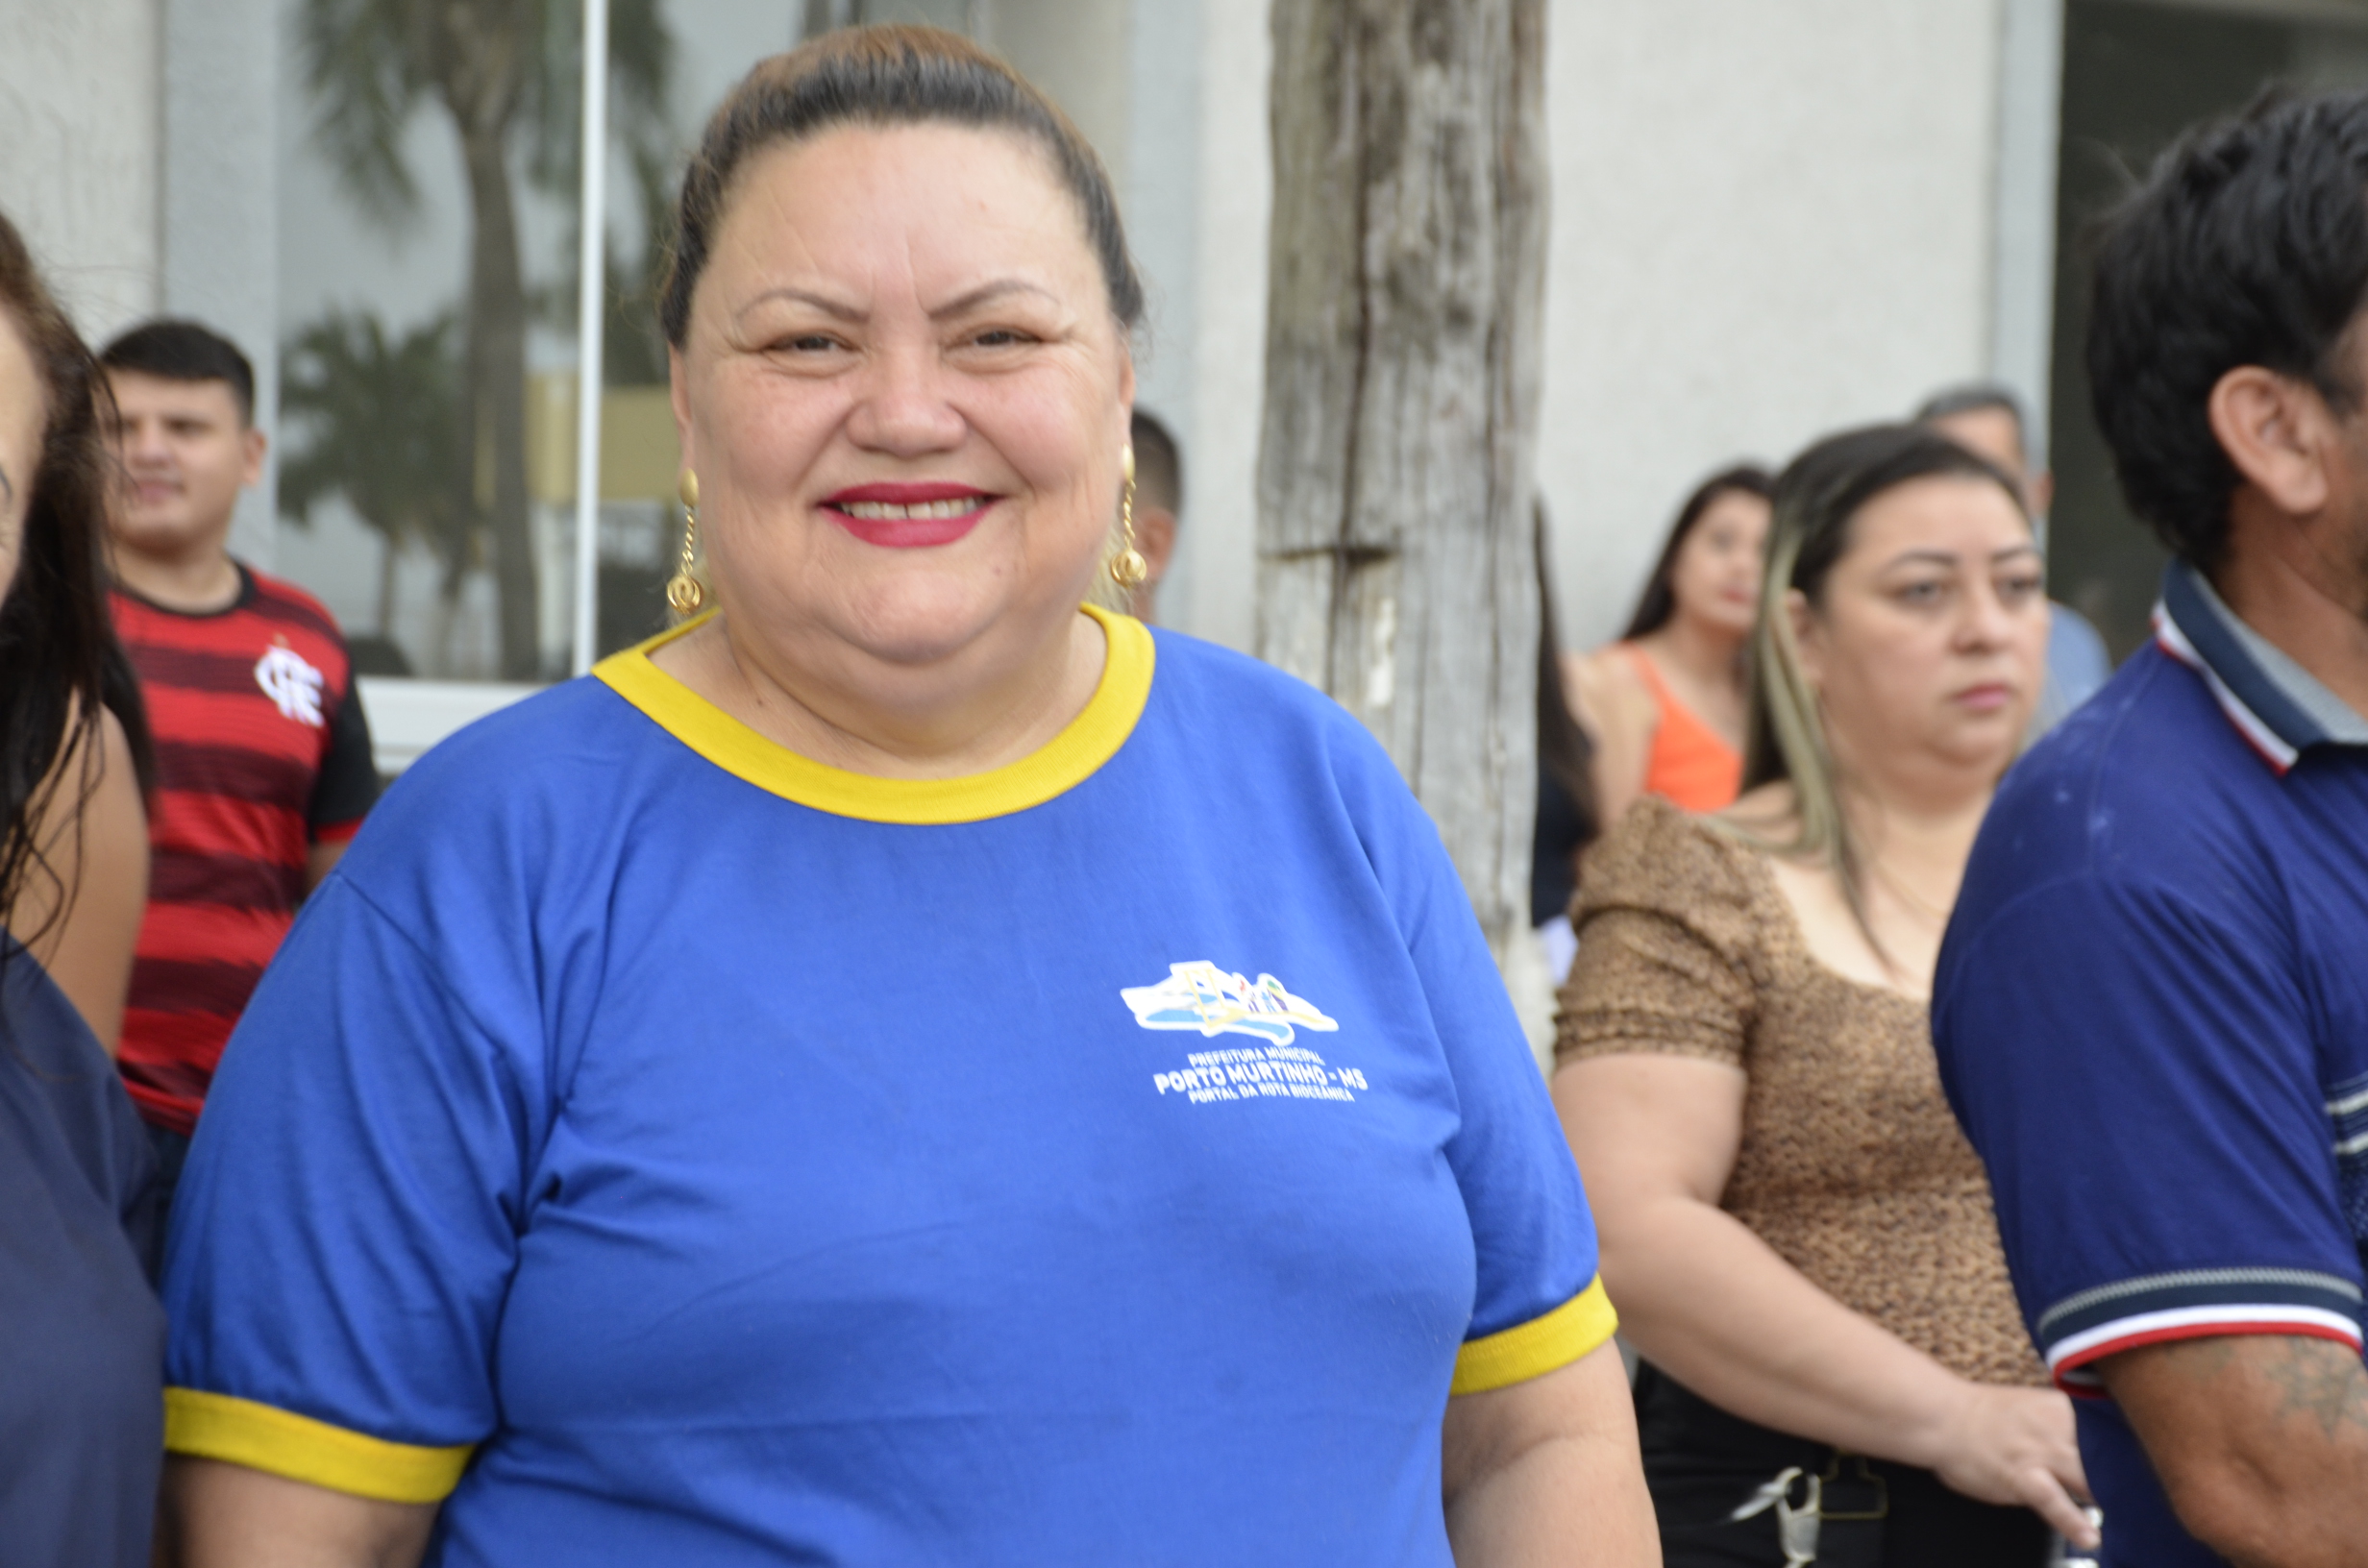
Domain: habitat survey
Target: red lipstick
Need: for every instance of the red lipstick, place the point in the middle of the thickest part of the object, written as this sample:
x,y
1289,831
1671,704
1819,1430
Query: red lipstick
x,y
908,516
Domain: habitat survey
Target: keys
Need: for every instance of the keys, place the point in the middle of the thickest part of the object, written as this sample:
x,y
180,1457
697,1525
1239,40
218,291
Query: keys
x,y
1796,1529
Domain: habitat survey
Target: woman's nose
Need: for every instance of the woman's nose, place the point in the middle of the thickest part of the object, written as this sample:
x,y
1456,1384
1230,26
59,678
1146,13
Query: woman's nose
x,y
1989,621
904,407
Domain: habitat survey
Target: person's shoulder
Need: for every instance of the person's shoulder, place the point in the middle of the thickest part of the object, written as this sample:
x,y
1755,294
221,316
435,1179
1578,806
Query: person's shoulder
x,y
2139,807
1204,683
1608,688
2147,780
1274,745
285,608
1660,858
276,596
522,757
553,733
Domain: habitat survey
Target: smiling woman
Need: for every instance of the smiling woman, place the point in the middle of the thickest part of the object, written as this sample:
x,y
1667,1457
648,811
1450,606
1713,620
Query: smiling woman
x,y
737,1132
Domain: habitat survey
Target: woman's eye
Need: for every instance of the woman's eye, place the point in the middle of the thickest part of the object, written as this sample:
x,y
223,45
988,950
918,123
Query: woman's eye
x,y
998,337
2020,590
1919,593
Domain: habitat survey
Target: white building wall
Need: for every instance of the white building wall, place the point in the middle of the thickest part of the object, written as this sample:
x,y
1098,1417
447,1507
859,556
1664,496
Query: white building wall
x,y
219,239
1769,221
1077,53
79,176
1235,183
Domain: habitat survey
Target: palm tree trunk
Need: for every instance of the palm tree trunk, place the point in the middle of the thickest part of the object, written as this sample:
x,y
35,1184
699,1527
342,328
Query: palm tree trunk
x,y
387,586
497,389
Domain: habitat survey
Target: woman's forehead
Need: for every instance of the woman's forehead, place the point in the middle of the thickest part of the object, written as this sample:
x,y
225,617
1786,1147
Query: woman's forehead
x,y
1956,513
936,206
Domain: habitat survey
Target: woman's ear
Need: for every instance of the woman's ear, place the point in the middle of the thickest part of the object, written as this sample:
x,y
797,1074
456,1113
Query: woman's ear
x,y
2277,430
1808,637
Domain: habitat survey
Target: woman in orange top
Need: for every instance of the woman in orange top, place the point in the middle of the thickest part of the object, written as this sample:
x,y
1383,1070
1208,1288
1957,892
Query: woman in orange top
x,y
1665,704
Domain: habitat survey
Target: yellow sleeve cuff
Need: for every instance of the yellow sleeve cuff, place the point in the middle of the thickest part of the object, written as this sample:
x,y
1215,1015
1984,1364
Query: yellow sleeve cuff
x,y
1532,1349
263,1438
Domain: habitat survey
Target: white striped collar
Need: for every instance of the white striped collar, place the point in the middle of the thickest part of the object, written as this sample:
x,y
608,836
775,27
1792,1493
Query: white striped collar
x,y
2278,707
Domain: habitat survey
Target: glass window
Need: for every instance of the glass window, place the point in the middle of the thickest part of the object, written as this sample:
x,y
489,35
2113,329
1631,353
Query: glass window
x,y
429,187
427,264
2134,76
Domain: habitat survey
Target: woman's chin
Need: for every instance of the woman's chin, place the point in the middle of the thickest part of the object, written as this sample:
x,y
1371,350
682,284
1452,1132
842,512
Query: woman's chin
x,y
923,616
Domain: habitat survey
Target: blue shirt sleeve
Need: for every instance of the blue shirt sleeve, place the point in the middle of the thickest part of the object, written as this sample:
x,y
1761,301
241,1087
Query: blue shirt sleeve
x,y
1539,1304
2141,1079
349,1216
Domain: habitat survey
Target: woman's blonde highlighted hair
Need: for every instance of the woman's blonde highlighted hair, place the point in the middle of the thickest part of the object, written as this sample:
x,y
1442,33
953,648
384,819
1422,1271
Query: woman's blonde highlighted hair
x,y
1818,497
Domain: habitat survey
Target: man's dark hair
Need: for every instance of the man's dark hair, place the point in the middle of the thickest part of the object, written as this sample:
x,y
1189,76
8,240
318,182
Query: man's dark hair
x,y
1977,398
182,351
2248,245
1159,471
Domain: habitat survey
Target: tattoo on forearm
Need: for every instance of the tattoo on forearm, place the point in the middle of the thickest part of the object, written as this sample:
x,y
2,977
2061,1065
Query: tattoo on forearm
x,y
2320,1380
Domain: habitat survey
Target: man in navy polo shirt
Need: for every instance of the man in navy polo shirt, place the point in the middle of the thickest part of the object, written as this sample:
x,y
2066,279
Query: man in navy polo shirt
x,y
2151,1007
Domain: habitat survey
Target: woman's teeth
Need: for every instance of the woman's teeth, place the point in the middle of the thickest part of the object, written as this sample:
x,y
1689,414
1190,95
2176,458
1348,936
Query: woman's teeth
x,y
887,512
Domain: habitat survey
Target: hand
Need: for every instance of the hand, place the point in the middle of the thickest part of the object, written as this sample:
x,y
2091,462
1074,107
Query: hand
x,y
2016,1445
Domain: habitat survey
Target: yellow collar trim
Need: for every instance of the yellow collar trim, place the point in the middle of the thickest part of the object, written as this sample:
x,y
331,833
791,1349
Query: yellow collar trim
x,y
1063,763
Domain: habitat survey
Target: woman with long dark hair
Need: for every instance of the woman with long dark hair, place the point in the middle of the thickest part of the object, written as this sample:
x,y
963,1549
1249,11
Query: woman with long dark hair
x,y
1665,704
83,1355
1800,1239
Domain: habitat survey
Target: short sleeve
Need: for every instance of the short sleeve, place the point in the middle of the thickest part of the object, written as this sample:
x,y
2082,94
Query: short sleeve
x,y
1539,1304
347,785
1669,957
2140,1078
348,1222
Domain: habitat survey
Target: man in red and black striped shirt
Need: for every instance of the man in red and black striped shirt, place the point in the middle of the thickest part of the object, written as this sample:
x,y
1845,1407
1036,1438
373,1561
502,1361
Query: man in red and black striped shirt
x,y
263,753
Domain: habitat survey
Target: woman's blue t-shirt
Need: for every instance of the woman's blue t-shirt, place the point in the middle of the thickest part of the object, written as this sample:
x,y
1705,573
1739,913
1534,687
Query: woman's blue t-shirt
x,y
660,1148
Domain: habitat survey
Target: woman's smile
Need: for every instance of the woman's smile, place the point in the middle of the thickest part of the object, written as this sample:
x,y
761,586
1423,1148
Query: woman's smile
x,y
908,516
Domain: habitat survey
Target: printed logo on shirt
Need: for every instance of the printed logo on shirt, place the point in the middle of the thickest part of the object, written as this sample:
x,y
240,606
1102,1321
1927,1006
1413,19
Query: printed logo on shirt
x,y
293,686
1200,996
1211,1001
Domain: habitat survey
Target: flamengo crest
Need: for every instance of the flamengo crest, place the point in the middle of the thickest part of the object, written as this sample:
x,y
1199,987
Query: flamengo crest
x,y
293,686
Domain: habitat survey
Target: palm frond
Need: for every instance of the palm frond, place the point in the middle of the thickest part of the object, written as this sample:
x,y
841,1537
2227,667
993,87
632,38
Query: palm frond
x,y
362,64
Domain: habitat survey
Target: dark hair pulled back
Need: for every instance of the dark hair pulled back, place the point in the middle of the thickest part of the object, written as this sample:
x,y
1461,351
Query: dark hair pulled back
x,y
56,641
2248,245
880,76
1657,604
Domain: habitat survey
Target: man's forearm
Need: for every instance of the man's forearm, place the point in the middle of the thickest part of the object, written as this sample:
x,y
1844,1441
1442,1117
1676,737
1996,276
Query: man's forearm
x,y
2261,1441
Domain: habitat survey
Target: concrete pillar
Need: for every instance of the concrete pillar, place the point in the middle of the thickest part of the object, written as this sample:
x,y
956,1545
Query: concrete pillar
x,y
78,116
220,207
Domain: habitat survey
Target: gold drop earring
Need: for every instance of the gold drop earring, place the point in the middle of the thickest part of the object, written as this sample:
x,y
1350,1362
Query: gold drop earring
x,y
1127,567
684,594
